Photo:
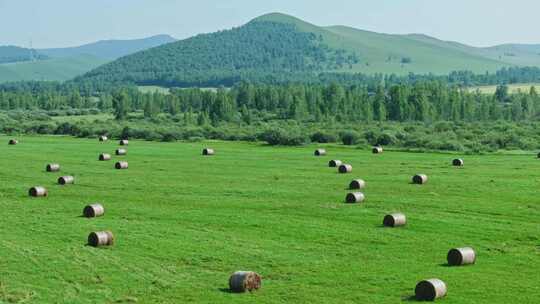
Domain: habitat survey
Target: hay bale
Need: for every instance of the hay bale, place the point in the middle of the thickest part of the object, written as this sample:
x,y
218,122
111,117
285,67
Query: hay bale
x,y
208,152
121,152
100,238
354,197
104,157
357,184
377,150
461,256
64,180
430,290
334,163
420,179
241,281
103,138
320,152
52,168
121,165
395,220
345,168
13,142
38,191
458,162
93,210
124,142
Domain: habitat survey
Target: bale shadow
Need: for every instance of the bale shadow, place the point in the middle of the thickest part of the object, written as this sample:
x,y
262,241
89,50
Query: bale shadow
x,y
409,299
445,265
226,290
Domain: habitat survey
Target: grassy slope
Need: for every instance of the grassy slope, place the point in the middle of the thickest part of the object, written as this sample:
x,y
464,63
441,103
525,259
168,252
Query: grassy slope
x,y
52,69
428,55
183,223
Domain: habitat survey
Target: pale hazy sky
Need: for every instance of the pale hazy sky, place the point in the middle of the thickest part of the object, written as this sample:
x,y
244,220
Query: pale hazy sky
x,y
58,23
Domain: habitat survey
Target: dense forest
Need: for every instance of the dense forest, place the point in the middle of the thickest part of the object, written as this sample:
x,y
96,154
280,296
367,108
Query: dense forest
x,y
423,115
255,51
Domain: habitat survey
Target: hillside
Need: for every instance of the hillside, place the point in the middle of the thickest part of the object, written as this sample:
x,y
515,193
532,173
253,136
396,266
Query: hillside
x,y
277,47
62,64
11,54
109,49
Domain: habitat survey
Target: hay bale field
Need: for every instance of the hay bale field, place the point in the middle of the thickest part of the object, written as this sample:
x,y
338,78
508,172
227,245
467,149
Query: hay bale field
x,y
183,223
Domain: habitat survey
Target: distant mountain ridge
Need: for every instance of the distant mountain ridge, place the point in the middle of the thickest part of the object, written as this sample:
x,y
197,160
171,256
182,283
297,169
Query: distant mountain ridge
x,y
60,64
109,49
278,47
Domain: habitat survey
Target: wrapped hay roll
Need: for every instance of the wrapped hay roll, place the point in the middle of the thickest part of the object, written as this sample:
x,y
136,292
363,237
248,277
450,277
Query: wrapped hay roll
x,y
93,210
13,142
104,157
241,281
430,290
38,191
121,165
100,238
420,179
357,184
103,138
121,151
208,152
64,180
458,162
334,163
320,152
52,168
354,197
345,168
124,142
377,150
395,220
461,256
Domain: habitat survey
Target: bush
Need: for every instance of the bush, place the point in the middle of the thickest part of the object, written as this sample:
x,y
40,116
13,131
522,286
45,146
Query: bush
x,y
350,138
280,137
322,137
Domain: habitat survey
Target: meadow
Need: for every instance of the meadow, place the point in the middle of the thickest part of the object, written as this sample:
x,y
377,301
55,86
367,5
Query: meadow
x,y
512,88
183,223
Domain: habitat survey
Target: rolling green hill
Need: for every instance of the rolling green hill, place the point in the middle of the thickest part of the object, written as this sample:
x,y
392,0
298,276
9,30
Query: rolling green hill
x,y
281,47
62,64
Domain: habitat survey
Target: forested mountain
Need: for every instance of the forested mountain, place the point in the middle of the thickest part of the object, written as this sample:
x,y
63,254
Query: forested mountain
x,y
12,54
109,49
277,47
62,64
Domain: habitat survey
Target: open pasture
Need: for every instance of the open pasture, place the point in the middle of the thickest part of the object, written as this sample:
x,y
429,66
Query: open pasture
x,y
184,222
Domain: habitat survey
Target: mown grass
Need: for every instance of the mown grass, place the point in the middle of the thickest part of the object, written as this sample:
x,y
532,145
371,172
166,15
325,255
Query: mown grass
x,y
184,223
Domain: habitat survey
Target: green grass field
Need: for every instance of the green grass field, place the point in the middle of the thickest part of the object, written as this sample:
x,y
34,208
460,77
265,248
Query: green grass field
x,y
183,223
512,88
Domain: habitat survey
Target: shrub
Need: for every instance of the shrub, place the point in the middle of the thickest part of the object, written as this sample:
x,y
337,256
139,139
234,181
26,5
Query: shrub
x,y
323,137
350,137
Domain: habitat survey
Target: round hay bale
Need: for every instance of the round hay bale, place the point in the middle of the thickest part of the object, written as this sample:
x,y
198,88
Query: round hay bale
x,y
357,184
395,220
354,197
121,165
461,256
93,210
103,138
430,290
458,162
241,281
345,168
53,168
100,238
13,142
38,191
334,163
208,152
104,157
64,180
124,142
121,152
420,179
320,152
377,150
